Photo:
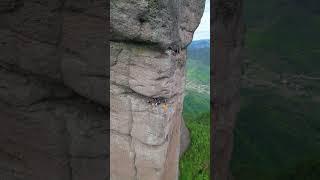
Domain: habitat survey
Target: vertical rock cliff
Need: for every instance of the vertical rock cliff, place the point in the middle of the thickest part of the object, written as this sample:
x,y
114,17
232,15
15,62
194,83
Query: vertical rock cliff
x,y
228,40
53,90
148,53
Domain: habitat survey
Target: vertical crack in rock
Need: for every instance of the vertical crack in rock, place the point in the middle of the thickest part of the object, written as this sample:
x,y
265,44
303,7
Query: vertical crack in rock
x,y
134,161
68,150
69,156
131,142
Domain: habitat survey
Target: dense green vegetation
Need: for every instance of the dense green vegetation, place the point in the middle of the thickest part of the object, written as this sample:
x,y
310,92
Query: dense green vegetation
x,y
277,135
198,72
194,164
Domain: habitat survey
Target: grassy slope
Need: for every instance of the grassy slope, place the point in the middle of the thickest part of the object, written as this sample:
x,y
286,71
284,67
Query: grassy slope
x,y
277,135
194,164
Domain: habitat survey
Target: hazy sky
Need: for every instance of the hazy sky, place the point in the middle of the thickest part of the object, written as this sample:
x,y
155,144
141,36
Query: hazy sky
x,y
203,31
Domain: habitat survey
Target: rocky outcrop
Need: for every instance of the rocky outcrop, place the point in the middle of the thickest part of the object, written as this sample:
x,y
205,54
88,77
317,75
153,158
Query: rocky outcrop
x,y
147,78
184,138
53,83
227,56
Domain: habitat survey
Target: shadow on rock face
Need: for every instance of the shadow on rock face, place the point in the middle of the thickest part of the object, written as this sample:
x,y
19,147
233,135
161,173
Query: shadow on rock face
x,y
52,90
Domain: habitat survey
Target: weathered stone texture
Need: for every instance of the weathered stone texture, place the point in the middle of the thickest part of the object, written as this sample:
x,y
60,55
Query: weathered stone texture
x,y
143,74
122,157
53,87
162,22
144,66
53,90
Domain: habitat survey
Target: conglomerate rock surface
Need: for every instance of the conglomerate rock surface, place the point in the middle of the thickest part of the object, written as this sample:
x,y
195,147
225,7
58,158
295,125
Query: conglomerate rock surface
x,y
148,53
53,83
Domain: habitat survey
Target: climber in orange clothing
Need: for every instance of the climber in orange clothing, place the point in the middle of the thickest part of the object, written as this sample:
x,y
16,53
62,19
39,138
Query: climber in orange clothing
x,y
165,107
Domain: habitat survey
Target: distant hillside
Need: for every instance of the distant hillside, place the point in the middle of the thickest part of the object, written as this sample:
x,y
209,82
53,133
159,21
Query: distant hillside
x,y
199,44
196,112
198,78
200,51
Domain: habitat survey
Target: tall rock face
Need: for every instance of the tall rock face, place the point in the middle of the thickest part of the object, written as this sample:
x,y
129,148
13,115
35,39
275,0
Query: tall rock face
x,y
148,53
53,83
227,54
